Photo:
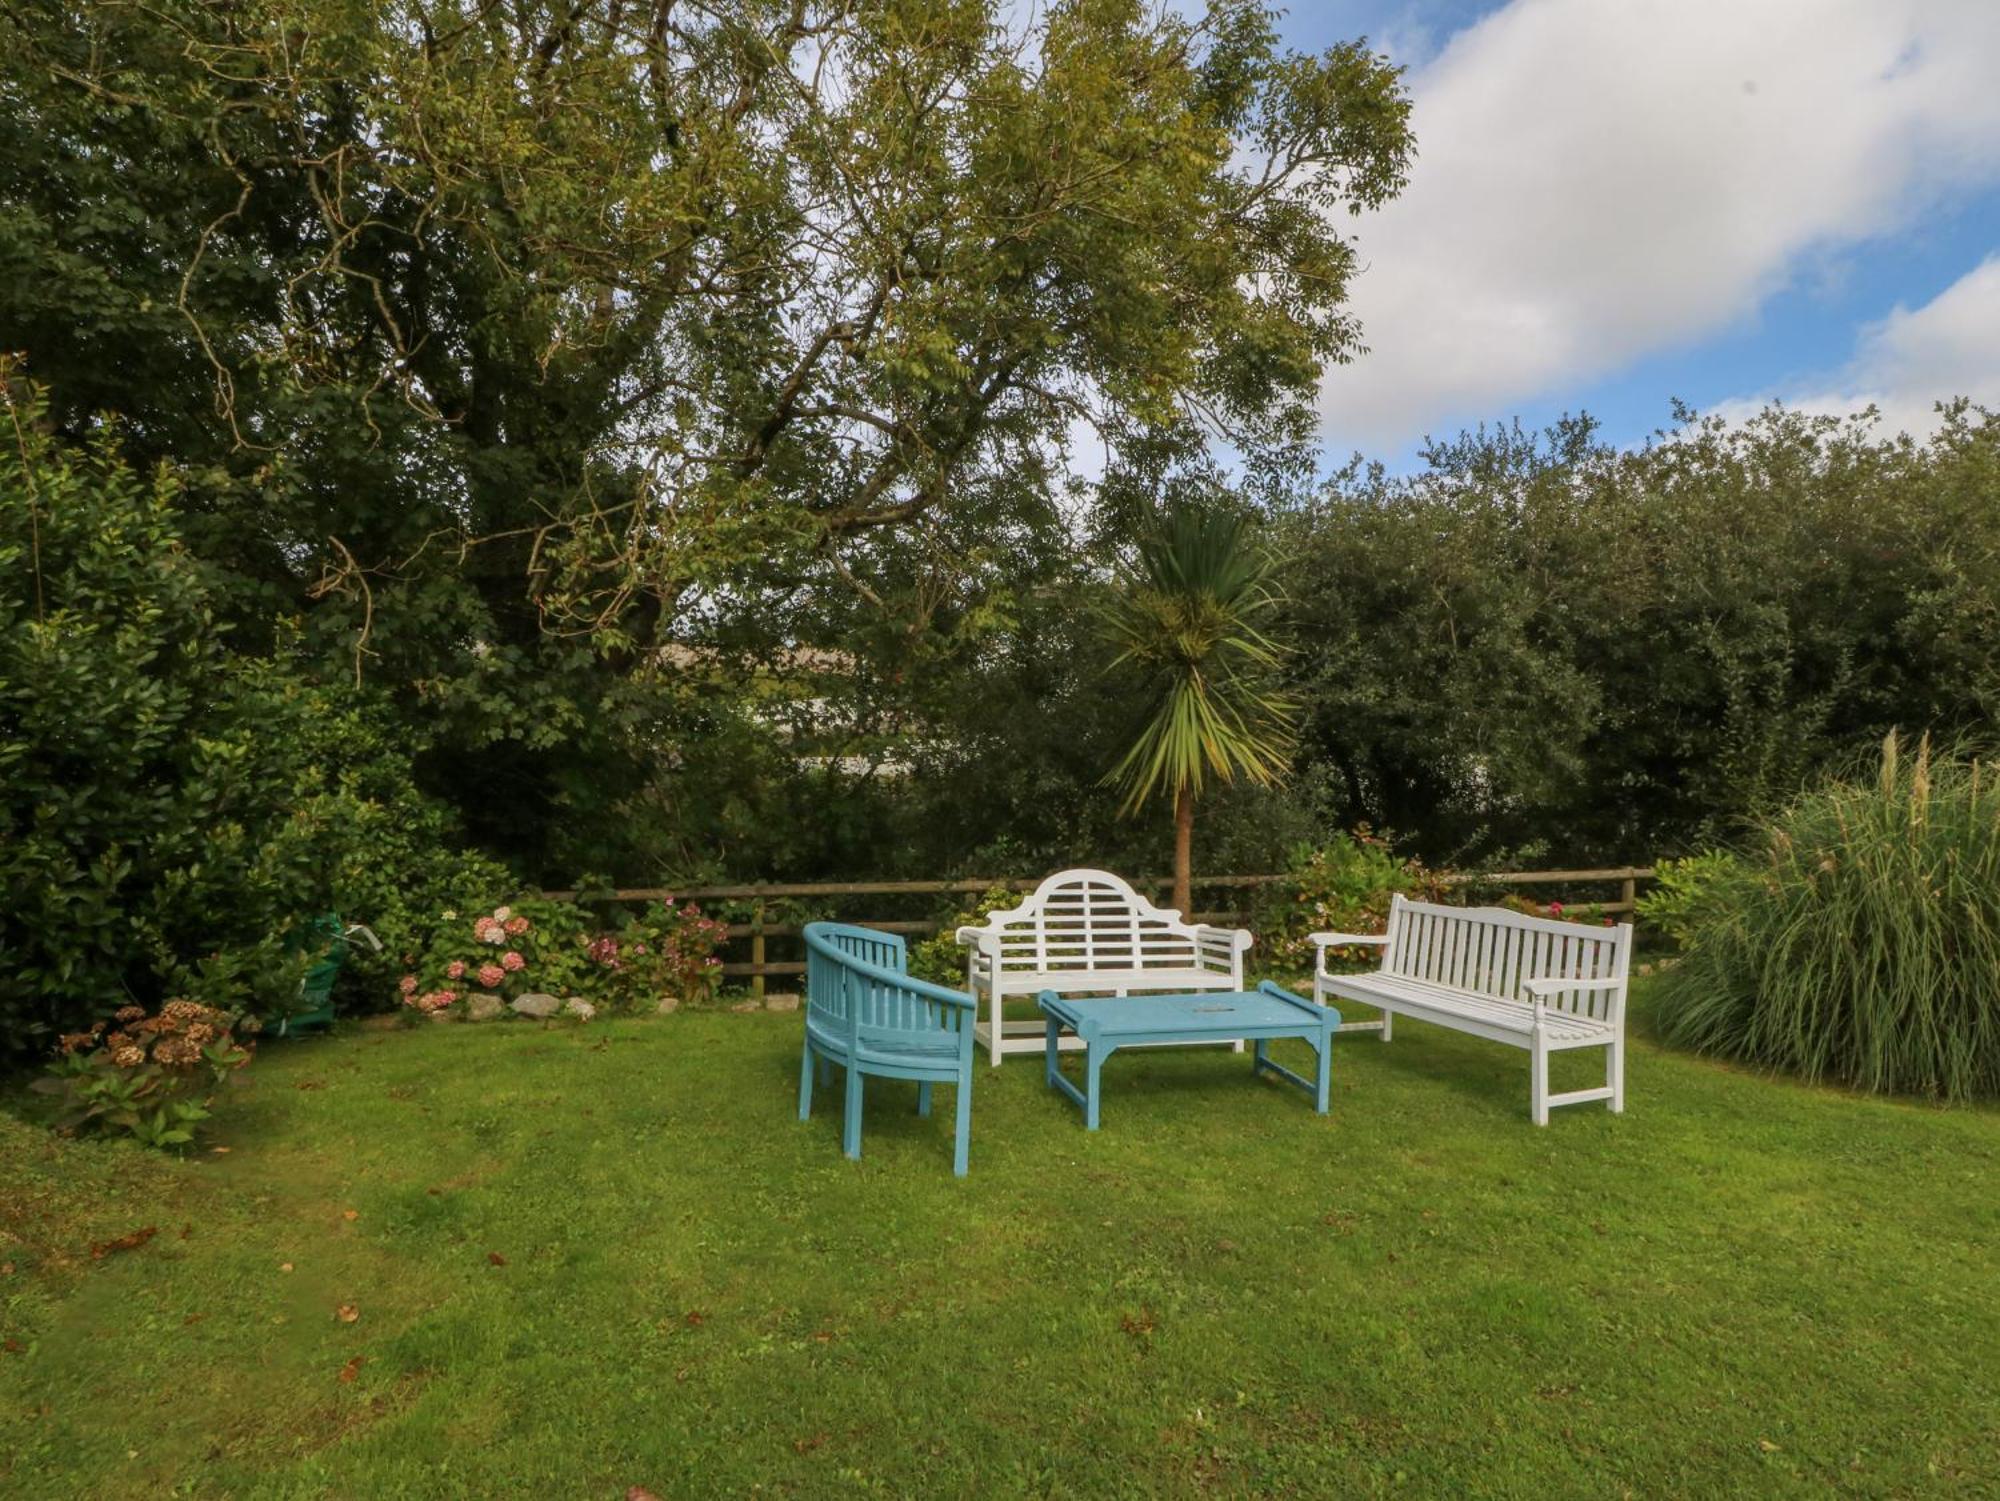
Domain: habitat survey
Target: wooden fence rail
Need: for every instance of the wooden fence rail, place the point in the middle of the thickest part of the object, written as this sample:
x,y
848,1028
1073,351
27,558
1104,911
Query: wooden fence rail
x,y
758,930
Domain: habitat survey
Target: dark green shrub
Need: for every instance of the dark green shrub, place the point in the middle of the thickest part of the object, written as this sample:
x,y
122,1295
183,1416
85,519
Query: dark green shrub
x,y
171,810
1344,885
1683,891
1859,940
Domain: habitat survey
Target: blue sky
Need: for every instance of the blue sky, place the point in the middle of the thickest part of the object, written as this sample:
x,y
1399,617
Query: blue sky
x,y
1619,202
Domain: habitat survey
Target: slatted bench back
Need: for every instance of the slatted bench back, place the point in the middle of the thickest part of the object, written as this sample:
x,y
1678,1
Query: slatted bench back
x,y
1493,951
851,983
1090,921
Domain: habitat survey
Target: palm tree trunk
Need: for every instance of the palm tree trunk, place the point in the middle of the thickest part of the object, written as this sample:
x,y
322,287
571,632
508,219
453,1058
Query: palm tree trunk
x,y
1184,849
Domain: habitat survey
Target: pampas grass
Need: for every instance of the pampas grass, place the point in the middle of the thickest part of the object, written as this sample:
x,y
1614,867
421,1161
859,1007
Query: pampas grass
x,y
1858,941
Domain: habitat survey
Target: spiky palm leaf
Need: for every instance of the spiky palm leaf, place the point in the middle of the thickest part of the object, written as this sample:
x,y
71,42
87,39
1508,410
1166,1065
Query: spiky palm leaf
x,y
1190,612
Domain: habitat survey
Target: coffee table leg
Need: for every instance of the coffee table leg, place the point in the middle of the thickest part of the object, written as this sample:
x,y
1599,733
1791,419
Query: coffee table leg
x,y
1093,1064
1054,1051
1324,1097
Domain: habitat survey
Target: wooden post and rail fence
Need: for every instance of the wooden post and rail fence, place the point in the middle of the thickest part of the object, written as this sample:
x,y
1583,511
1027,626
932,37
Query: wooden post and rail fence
x,y
758,930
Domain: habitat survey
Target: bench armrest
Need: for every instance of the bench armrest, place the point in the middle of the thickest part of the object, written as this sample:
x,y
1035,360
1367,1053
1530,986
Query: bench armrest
x,y
1341,940
1239,938
978,936
1541,988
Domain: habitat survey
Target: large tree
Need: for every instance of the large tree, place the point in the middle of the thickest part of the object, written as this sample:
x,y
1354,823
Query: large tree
x,y
505,344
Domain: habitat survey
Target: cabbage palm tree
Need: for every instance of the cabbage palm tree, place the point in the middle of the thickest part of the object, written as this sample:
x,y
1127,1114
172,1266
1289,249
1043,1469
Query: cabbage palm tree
x,y
1189,614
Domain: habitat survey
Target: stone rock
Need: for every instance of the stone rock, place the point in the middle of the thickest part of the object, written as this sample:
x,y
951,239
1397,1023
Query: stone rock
x,y
579,1008
669,1004
781,1000
536,1004
752,1004
483,1007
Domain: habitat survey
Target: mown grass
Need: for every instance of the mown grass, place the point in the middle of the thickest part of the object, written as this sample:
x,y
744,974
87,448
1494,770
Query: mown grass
x,y
583,1260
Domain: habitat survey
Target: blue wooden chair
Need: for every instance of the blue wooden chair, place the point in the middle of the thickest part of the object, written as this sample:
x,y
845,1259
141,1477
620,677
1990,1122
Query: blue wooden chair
x,y
866,1014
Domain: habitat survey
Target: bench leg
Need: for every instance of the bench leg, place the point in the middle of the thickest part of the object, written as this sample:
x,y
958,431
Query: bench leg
x,y
1324,1095
1538,1089
961,1142
1615,1072
993,1035
825,1072
806,1083
1388,1024
850,1123
924,1098
1093,1069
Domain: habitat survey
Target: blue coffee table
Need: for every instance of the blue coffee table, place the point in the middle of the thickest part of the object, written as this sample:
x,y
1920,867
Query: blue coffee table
x,y
1108,1024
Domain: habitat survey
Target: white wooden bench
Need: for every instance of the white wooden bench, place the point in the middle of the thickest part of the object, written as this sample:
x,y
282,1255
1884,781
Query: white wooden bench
x,y
1086,932
1530,982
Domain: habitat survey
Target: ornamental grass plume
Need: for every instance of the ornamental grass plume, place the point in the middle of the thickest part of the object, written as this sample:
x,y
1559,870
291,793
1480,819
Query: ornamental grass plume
x,y
1858,939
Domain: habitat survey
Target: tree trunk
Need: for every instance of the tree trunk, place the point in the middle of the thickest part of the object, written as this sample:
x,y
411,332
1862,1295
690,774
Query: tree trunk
x,y
1184,849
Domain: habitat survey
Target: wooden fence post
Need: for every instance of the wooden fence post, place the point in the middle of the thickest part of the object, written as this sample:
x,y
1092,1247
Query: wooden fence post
x,y
757,950
1628,893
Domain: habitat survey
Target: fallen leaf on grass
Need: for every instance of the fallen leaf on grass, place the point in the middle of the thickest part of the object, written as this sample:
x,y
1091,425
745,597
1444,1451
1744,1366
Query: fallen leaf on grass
x,y
103,1248
1144,1323
347,1313
807,1445
12,1346
494,1258
694,1319
824,1336
350,1214
6,1268
1767,1446
310,1084
640,1493
352,1369
284,1266
220,1151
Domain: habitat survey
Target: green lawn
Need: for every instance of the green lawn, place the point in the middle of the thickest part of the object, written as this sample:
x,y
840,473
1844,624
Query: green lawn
x,y
587,1259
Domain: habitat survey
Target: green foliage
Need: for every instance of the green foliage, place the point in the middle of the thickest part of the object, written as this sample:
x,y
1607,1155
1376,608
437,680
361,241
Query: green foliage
x,y
1617,654
1859,940
941,958
170,809
1342,886
149,1077
1189,618
514,348
1688,893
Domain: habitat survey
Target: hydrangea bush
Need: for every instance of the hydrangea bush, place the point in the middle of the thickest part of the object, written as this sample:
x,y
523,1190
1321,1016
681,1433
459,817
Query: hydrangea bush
x,y
150,1077
556,948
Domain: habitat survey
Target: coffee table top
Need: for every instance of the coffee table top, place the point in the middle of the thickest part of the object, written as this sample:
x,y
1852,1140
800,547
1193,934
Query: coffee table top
x,y
1221,1013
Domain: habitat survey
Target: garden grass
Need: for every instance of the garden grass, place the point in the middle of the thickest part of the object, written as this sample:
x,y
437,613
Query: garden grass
x,y
585,1259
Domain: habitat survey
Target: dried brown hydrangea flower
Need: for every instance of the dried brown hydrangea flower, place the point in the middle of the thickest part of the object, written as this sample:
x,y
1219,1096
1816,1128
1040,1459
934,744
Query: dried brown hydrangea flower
x,y
129,1057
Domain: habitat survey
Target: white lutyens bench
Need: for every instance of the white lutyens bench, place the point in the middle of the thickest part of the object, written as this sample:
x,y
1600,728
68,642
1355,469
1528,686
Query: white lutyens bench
x,y
1530,982
1087,932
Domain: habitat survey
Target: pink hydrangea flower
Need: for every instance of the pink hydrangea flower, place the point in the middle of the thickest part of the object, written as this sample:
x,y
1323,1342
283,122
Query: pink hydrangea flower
x,y
517,925
511,961
491,975
501,914
455,970
409,984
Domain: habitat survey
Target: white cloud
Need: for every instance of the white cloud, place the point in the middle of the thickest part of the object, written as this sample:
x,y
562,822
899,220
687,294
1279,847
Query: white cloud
x,y
1600,179
1911,360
